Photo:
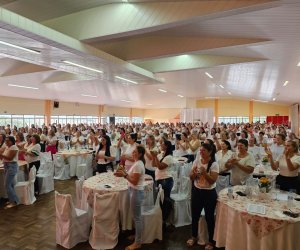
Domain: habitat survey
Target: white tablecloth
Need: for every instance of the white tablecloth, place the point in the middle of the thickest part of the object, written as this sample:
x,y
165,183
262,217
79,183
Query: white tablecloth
x,y
75,158
265,170
107,182
237,229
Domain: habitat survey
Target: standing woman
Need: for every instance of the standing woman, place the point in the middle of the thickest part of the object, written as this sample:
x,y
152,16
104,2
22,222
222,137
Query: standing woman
x,y
204,175
20,143
10,161
288,164
105,155
162,163
51,142
150,146
126,157
135,177
32,156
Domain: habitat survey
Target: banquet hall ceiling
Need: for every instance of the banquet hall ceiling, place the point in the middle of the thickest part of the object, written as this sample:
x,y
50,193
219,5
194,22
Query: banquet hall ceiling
x,y
245,49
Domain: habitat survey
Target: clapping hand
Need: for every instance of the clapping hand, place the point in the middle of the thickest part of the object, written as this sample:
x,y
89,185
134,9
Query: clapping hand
x,y
120,173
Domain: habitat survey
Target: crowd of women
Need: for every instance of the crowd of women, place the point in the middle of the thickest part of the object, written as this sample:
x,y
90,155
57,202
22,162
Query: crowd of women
x,y
217,150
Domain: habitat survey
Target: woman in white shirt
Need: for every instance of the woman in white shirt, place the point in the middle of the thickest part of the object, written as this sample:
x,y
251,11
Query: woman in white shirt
x,y
105,155
288,164
77,141
204,175
10,161
51,142
163,177
223,155
242,165
150,146
126,156
135,177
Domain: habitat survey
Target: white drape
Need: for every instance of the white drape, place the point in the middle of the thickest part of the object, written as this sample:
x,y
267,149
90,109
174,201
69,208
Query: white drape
x,y
205,115
294,115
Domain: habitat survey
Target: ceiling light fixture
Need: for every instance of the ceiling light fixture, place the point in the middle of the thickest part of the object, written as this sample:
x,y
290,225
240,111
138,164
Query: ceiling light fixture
x,y
209,75
181,96
210,97
126,101
19,47
21,86
229,93
258,100
298,64
125,1
121,78
285,83
162,90
94,96
274,99
221,86
81,66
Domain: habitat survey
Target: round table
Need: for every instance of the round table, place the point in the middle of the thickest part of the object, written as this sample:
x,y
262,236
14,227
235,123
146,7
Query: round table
x,y
237,228
107,182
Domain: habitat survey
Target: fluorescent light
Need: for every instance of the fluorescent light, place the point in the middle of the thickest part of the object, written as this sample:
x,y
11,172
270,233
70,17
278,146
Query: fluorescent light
x,y
259,100
285,83
221,86
181,96
84,67
94,96
162,90
21,86
229,93
19,47
298,64
126,101
121,78
209,75
125,1
274,99
210,97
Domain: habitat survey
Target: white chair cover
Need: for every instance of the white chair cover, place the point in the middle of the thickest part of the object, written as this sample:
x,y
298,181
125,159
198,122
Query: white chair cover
x,y
72,224
78,186
222,182
85,168
105,226
181,214
61,170
152,220
25,189
45,157
45,179
175,179
185,170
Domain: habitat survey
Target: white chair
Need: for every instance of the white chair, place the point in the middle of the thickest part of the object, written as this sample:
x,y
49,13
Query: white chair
x,y
45,157
61,170
78,186
85,169
105,225
181,214
185,170
25,189
152,220
175,187
72,224
222,182
45,179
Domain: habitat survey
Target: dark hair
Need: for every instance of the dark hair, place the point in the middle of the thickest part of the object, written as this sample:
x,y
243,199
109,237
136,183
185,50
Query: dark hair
x,y
211,148
282,136
244,142
245,132
294,145
12,139
37,138
4,136
169,149
133,136
107,146
21,136
227,144
141,150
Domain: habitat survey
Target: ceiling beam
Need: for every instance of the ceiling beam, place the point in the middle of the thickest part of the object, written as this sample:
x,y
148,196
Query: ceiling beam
x,y
120,20
139,48
61,76
186,62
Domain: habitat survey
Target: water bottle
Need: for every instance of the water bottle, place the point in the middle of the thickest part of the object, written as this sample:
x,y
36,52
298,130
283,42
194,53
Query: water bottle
x,y
290,200
230,193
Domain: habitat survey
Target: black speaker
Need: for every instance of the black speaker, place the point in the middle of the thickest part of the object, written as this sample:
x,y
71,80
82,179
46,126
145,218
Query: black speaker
x,y
112,120
55,104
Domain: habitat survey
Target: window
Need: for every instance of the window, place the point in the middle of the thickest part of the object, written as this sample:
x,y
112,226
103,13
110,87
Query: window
x,y
233,119
260,119
137,120
22,120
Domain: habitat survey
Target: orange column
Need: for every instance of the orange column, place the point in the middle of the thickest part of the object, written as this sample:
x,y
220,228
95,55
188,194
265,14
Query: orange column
x,y
250,111
130,116
47,111
216,111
